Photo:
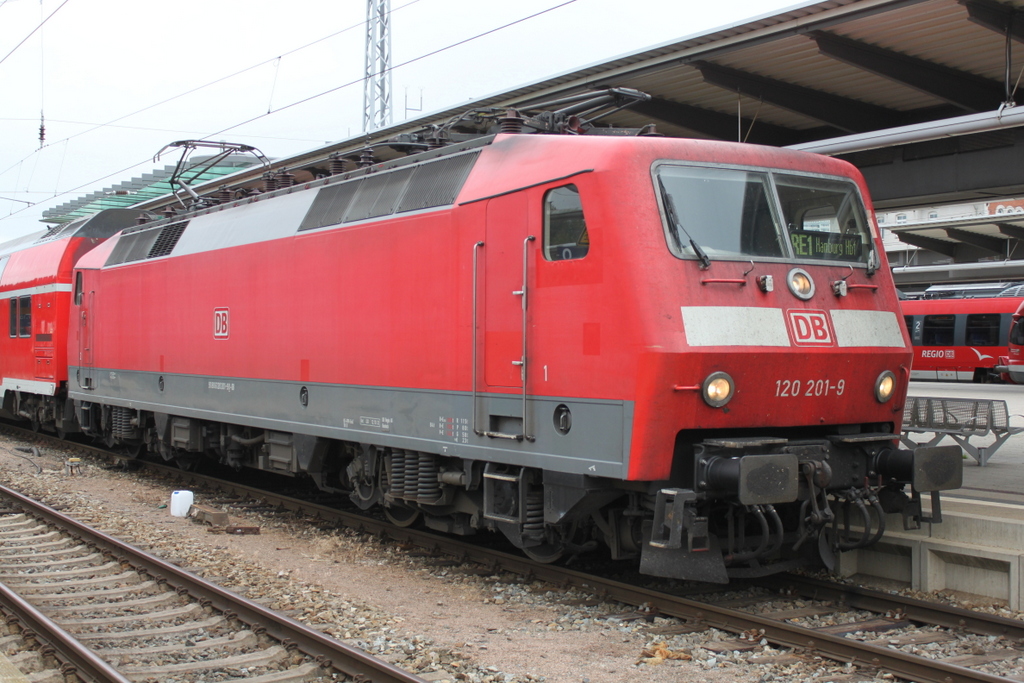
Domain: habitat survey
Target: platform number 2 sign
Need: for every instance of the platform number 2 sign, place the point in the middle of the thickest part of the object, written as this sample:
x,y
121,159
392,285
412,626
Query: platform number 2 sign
x,y
220,323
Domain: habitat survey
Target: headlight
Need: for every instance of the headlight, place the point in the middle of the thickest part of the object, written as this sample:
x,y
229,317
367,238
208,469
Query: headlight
x,y
717,389
800,283
885,386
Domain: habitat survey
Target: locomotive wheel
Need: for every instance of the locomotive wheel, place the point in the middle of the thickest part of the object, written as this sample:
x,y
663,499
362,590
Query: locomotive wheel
x,y
546,553
61,434
401,516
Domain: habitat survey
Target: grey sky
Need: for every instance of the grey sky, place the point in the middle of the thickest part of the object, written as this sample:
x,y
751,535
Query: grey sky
x,y
96,61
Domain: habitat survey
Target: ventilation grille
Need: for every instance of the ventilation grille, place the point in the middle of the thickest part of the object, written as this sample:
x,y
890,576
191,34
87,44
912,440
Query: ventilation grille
x,y
58,230
437,183
169,235
378,194
423,186
146,244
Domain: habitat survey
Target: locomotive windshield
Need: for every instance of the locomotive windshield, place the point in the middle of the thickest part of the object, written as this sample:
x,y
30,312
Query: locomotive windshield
x,y
737,213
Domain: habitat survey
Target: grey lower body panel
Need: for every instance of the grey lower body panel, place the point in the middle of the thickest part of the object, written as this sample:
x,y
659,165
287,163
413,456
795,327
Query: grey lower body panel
x,y
439,422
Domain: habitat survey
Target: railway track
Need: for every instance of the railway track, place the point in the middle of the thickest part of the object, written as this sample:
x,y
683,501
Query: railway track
x,y
871,631
116,613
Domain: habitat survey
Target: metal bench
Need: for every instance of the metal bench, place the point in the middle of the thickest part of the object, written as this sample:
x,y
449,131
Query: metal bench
x,y
961,419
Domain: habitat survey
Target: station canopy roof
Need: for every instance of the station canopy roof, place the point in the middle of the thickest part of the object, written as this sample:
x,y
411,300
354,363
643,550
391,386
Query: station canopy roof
x,y
916,93
149,186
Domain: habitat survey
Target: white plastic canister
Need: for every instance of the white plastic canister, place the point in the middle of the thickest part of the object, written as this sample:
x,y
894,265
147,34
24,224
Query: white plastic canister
x,y
181,501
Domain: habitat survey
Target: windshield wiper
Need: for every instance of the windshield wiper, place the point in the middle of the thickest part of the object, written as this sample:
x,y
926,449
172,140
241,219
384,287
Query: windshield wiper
x,y
670,211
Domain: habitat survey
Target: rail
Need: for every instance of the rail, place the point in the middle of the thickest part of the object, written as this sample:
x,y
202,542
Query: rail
x,y
961,419
698,614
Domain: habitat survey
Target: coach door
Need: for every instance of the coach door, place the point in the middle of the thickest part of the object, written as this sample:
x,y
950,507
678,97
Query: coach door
x,y
507,255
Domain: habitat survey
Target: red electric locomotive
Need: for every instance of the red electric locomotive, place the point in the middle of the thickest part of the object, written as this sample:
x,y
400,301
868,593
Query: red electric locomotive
x,y
688,351
958,339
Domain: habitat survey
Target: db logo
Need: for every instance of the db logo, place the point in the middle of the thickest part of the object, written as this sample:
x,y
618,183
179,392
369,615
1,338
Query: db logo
x,y
810,328
220,323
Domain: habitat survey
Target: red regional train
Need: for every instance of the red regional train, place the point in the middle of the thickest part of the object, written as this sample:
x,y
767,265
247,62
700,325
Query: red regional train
x,y
958,339
687,351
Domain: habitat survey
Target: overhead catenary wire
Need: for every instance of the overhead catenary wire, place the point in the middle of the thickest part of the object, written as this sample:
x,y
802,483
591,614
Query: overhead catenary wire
x,y
397,66
292,104
33,31
190,91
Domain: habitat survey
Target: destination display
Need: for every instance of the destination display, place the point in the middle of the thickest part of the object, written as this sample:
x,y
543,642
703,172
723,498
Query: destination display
x,y
826,245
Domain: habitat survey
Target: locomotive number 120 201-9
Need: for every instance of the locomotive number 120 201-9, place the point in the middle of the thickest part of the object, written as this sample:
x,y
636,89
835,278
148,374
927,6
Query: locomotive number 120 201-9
x,y
792,388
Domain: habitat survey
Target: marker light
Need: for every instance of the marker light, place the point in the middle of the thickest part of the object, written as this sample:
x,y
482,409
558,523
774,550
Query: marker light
x,y
717,389
885,386
800,283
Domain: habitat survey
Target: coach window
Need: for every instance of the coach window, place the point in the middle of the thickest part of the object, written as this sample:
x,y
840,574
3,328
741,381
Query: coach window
x,y
25,316
938,330
14,317
565,229
983,329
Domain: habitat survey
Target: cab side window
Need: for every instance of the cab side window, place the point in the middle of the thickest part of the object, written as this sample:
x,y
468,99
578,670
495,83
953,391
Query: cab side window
x,y
25,316
20,316
565,229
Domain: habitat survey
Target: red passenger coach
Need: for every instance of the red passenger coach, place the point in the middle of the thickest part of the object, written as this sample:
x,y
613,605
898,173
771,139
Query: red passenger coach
x,y
958,339
689,352
35,291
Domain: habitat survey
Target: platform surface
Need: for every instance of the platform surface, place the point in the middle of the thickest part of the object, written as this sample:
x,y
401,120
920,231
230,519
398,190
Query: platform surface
x,y
1002,478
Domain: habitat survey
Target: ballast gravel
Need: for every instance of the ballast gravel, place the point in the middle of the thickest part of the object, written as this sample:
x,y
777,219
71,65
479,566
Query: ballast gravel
x,y
434,617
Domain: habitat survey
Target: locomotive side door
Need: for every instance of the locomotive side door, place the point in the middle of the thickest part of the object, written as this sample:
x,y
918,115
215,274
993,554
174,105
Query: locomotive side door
x,y
503,290
86,304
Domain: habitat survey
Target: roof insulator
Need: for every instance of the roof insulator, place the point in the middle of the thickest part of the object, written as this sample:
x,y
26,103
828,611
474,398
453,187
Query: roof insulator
x,y
511,122
269,182
337,164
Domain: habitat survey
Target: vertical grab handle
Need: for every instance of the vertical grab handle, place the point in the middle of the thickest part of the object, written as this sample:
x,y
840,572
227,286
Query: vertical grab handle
x,y
476,332
522,363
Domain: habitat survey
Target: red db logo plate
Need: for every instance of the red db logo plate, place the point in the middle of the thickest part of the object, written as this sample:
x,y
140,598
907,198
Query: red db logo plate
x,y
220,323
810,328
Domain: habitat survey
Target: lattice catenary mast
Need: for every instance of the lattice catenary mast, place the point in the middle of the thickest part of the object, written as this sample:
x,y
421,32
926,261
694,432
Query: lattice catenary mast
x,y
377,81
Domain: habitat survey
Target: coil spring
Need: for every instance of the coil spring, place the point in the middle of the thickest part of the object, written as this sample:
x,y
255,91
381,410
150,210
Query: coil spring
x,y
429,488
397,473
534,511
121,422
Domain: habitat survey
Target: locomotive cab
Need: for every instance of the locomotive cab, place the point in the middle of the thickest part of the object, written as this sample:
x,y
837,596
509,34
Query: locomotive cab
x,y
789,319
